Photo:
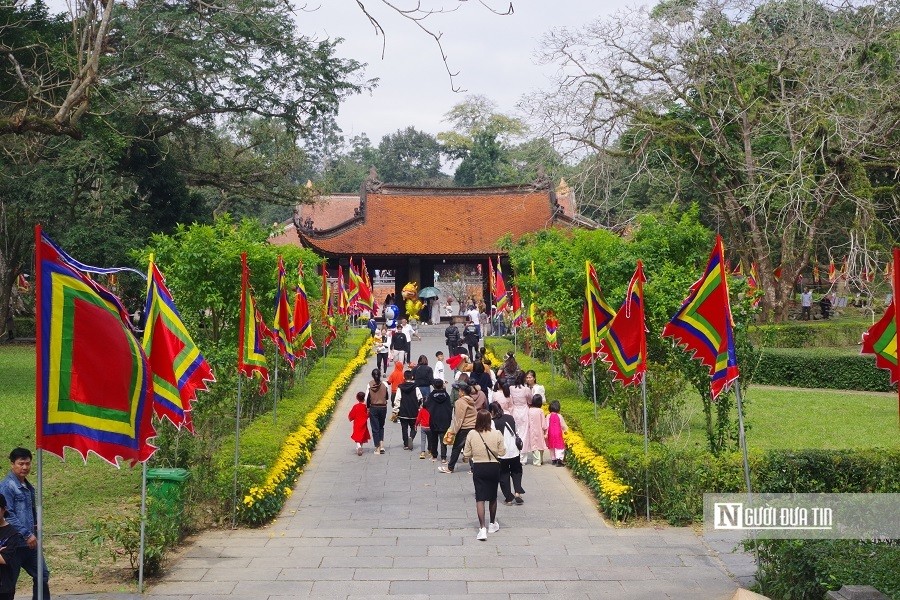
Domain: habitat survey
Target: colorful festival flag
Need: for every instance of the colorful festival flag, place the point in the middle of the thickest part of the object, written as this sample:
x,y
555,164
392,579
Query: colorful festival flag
x,y
501,300
739,269
251,353
881,338
596,316
343,306
327,308
283,336
753,289
624,347
22,283
777,273
703,324
352,289
815,276
551,324
492,279
301,323
517,318
832,272
179,369
93,382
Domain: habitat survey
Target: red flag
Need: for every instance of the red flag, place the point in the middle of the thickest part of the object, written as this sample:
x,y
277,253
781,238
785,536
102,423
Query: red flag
x,y
93,381
832,272
595,317
500,298
251,352
703,324
517,315
301,323
624,347
284,338
551,323
179,369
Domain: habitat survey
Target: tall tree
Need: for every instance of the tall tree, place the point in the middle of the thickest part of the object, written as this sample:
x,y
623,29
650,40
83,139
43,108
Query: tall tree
x,y
409,156
778,112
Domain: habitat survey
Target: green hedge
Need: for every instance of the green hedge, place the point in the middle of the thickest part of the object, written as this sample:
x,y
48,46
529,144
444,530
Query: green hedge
x,y
24,327
806,569
830,368
262,440
809,334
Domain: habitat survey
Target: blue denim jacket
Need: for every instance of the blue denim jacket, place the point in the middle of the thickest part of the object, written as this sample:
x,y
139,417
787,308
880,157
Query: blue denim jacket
x,y
19,504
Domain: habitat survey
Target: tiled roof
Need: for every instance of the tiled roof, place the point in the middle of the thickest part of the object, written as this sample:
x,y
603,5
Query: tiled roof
x,y
329,211
435,223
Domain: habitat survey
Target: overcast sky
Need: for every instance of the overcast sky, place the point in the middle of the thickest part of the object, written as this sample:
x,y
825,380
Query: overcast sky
x,y
493,54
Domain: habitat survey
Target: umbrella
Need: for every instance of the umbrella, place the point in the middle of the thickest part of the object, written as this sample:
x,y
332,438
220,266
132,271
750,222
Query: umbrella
x,y
429,292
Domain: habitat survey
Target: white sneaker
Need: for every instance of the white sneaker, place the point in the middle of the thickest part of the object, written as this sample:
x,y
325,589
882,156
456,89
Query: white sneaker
x,y
494,527
482,535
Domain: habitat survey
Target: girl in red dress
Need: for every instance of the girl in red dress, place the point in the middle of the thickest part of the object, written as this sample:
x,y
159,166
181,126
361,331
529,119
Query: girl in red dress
x,y
359,415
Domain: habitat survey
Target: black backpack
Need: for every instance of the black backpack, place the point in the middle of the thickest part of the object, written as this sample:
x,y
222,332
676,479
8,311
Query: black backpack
x,y
399,341
452,335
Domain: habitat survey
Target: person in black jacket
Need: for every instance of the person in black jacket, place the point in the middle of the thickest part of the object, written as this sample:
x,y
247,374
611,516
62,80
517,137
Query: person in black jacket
x,y
470,336
453,339
398,345
407,401
440,411
423,375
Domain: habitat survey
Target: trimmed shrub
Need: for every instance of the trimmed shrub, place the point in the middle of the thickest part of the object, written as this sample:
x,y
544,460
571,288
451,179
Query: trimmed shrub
x,y
808,334
820,368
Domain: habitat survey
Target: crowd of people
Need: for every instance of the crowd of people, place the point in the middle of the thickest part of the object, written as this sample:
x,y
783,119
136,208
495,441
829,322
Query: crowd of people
x,y
462,410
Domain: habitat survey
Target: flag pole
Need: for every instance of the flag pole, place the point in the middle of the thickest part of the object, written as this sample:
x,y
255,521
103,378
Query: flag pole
x,y
895,280
39,409
143,527
40,524
646,446
742,436
237,453
594,382
275,391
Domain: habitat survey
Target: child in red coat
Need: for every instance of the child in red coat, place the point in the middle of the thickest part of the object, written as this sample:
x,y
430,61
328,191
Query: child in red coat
x,y
359,415
423,420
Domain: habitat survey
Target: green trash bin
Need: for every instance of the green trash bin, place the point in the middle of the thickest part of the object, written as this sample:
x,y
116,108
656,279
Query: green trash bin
x,y
167,486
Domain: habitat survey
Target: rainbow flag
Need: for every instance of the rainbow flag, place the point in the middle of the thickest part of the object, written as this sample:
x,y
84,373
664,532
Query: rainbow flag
x,y
179,369
624,347
301,323
703,324
251,352
94,387
551,324
352,290
283,335
596,316
517,318
501,300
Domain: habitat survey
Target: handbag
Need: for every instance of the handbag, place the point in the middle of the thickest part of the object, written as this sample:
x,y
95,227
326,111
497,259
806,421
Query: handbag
x,y
449,438
519,443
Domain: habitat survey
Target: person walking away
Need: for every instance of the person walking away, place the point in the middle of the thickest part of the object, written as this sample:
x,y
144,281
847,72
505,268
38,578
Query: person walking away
x,y
359,416
373,326
423,425
825,306
534,437
11,550
470,337
407,401
396,377
463,422
520,399
484,447
423,375
510,464
382,349
555,426
399,345
21,513
440,415
377,402
451,334
439,368
806,304
501,396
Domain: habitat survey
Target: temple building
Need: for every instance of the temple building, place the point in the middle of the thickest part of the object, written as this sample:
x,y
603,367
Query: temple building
x,y
410,231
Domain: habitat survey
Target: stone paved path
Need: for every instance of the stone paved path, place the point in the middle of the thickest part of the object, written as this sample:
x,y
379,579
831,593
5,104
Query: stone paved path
x,y
391,525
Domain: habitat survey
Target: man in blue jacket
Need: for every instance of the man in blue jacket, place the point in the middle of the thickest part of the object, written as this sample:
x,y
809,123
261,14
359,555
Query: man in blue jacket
x,y
22,513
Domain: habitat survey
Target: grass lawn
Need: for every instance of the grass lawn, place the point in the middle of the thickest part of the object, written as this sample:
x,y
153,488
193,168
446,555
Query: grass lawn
x,y
794,418
75,494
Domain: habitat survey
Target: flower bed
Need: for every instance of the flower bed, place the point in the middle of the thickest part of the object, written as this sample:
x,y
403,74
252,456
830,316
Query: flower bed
x,y
263,502
613,495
